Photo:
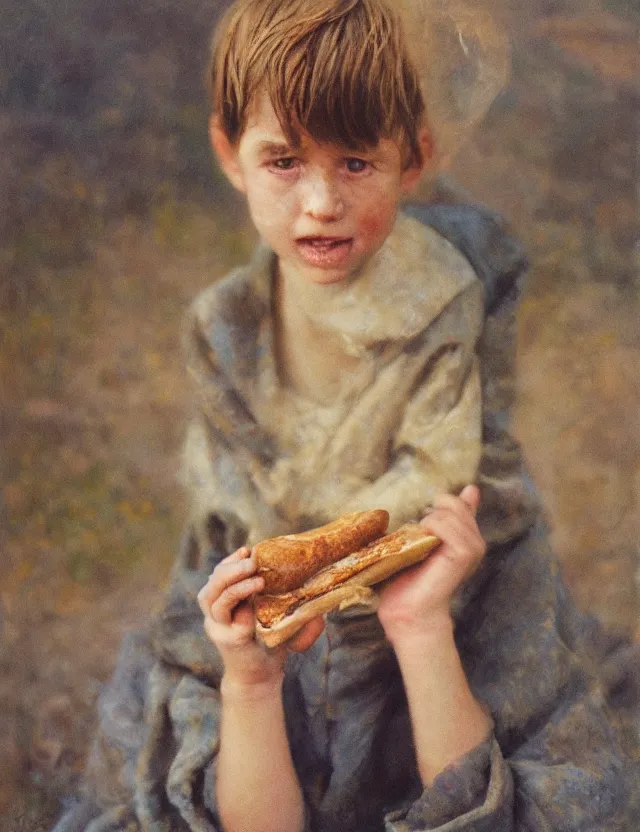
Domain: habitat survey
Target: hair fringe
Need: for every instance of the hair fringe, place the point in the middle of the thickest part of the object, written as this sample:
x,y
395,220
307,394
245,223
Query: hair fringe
x,y
338,70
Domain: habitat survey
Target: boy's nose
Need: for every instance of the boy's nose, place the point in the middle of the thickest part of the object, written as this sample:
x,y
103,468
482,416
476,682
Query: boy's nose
x,y
322,199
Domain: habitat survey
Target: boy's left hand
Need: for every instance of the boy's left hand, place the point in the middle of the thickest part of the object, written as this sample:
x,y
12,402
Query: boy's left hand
x,y
419,599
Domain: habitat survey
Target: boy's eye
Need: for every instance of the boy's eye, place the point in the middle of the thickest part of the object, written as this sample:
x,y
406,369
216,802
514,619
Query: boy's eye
x,y
284,163
356,165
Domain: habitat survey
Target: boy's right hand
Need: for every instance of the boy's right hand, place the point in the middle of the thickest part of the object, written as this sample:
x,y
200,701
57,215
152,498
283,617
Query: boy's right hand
x,y
230,623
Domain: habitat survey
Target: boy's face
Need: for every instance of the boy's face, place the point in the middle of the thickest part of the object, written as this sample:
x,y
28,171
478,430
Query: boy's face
x,y
323,210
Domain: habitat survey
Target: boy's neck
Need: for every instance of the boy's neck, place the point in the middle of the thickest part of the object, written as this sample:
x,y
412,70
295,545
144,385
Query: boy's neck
x,y
312,361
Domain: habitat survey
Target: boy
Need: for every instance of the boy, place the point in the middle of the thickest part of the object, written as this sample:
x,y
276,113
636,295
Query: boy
x,y
339,371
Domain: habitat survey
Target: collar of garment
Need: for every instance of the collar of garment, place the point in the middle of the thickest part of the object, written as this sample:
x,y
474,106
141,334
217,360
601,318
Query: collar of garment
x,y
395,296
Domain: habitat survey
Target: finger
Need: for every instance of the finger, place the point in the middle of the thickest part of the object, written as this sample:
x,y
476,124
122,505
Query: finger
x,y
454,504
454,532
224,575
223,607
458,516
303,639
454,548
225,637
239,554
470,495
206,596
204,599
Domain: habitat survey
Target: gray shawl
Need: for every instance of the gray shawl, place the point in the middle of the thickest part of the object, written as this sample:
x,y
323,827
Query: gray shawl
x,y
433,397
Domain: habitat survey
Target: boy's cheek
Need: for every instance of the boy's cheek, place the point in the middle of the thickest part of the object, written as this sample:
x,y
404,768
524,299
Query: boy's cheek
x,y
376,224
269,206
267,213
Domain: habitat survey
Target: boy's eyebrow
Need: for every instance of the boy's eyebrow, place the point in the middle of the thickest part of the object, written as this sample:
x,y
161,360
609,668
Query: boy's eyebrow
x,y
273,148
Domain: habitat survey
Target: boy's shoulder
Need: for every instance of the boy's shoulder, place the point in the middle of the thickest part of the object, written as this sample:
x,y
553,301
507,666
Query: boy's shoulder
x,y
224,318
483,237
239,299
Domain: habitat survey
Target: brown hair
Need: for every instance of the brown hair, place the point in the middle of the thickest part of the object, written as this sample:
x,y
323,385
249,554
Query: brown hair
x,y
338,70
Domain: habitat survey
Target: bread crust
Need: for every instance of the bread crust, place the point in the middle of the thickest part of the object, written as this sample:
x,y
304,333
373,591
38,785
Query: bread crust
x,y
341,584
286,562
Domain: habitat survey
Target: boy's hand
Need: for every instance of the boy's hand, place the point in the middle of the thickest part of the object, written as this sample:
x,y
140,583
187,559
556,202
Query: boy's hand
x,y
419,599
229,622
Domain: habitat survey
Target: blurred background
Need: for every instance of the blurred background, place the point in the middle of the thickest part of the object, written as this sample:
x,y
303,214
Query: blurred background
x,y
114,216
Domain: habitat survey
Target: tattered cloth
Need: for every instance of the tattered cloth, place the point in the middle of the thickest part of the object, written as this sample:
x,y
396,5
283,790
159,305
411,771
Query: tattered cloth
x,y
432,321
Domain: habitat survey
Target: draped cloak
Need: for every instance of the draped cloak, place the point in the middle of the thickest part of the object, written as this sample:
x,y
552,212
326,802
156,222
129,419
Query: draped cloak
x,y
431,322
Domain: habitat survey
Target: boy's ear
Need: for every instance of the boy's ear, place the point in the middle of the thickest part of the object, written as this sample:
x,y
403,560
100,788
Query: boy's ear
x,y
412,175
226,154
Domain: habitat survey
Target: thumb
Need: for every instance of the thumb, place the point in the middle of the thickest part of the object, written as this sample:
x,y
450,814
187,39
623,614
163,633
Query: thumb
x,y
470,495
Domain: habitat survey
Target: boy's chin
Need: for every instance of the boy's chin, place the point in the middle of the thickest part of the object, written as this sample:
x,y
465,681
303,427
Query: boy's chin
x,y
320,277
310,274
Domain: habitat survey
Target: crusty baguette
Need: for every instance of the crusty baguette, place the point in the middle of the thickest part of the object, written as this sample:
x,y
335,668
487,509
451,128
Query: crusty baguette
x,y
286,562
280,617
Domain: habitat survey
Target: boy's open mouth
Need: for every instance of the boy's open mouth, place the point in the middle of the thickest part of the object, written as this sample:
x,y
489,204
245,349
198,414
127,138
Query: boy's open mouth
x,y
325,252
